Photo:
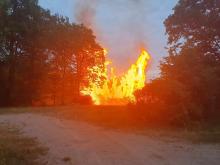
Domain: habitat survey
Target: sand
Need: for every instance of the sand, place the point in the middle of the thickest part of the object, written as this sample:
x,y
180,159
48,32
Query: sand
x,y
78,143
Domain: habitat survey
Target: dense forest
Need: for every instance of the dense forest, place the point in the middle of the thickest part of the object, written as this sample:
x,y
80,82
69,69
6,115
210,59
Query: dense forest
x,y
43,57
188,88
44,60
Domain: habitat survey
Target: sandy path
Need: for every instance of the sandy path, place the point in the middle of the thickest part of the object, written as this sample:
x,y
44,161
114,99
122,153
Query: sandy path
x,y
89,145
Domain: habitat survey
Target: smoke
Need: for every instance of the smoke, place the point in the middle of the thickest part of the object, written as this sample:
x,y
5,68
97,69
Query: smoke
x,y
120,26
85,11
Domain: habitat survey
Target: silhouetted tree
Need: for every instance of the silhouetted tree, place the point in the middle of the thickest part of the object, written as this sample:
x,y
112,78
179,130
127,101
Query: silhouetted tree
x,y
190,75
44,59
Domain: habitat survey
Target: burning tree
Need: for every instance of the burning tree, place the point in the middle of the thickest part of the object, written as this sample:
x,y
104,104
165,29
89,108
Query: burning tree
x,y
73,51
43,57
117,90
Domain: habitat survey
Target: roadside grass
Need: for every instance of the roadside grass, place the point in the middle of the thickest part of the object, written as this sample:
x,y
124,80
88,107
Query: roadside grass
x,y
206,137
20,110
209,134
16,149
12,110
125,119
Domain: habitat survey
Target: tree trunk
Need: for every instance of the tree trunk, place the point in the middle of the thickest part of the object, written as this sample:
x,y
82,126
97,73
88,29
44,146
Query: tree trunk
x,y
11,79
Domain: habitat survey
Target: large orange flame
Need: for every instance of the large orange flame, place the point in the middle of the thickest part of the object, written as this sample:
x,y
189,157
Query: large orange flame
x,y
117,90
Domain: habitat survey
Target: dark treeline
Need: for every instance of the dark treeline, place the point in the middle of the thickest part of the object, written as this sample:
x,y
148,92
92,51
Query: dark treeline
x,y
189,86
44,60
43,57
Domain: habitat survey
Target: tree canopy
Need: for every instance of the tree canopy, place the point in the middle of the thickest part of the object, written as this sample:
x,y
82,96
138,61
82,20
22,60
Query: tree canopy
x,y
190,76
43,57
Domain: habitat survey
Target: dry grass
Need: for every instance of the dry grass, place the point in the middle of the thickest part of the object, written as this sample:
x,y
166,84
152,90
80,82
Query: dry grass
x,y
204,136
16,149
125,119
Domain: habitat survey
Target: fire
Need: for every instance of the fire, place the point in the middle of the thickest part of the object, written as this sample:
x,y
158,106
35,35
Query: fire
x,y
117,90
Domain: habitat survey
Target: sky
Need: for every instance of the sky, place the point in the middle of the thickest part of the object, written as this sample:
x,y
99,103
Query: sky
x,y
123,27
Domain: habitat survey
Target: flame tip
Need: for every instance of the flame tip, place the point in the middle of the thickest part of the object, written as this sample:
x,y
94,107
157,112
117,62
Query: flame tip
x,y
118,90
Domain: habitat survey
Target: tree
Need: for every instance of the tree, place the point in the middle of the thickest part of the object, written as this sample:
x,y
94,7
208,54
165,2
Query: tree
x,y
194,47
190,75
23,61
13,18
44,59
72,50
195,24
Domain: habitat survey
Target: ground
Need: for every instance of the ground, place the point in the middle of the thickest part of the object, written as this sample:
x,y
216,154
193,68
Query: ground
x,y
77,142
17,149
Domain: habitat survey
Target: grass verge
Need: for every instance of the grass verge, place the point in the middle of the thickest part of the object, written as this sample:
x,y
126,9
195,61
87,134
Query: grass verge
x,y
16,149
125,119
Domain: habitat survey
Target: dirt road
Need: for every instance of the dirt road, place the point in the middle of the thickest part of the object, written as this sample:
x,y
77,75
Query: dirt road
x,y
77,143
